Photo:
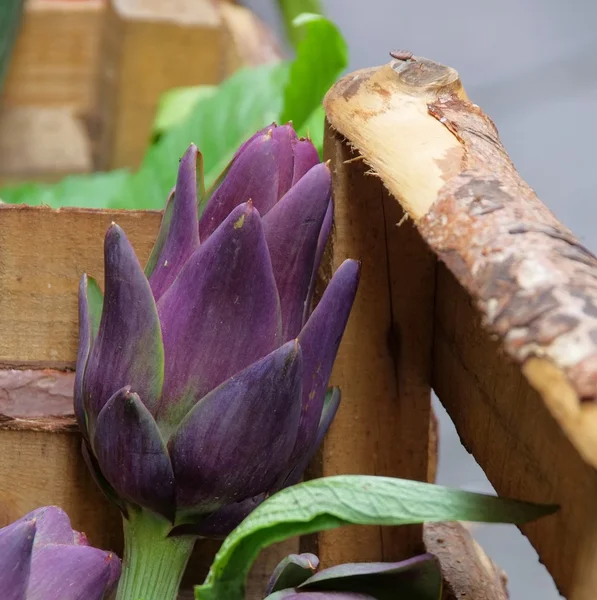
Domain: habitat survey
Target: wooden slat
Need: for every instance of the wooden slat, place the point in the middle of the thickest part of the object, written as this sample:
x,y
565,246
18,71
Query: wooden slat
x,y
527,412
147,48
504,422
55,57
383,363
42,468
43,253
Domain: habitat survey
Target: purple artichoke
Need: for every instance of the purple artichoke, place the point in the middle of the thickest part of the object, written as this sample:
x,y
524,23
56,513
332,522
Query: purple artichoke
x,y
41,557
295,578
202,382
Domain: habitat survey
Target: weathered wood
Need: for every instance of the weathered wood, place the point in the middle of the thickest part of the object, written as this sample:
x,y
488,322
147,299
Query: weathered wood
x,y
55,56
525,278
467,571
383,364
505,423
147,48
35,393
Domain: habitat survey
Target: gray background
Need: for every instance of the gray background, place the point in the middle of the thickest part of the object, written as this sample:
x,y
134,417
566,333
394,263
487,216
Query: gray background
x,y
532,66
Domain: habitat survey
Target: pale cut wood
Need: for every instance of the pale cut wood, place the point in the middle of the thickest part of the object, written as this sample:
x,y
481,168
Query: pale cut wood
x,y
55,56
383,364
147,48
43,253
44,143
531,281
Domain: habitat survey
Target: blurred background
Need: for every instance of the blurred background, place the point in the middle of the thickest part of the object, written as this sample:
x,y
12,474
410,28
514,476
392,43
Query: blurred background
x,y
87,116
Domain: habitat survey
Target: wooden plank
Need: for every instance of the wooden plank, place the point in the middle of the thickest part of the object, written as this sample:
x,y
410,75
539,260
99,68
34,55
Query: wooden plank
x,y
383,362
41,468
529,413
506,425
147,48
43,143
43,253
55,57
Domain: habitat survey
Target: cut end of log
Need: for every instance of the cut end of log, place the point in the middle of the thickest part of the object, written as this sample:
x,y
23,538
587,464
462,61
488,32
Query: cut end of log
x,y
440,156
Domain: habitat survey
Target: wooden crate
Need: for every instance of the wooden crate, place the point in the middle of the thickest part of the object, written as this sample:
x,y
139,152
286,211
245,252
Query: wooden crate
x,y
86,76
405,143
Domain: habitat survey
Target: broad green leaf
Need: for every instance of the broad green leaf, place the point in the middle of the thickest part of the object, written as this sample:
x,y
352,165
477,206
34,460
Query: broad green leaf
x,y
330,502
96,190
177,104
321,57
291,9
218,122
247,101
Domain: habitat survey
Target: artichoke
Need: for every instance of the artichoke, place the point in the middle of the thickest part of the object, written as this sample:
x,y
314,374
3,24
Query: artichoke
x,y
201,382
295,578
42,558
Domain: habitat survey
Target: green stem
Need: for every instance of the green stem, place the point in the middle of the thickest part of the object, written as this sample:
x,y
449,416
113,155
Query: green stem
x,y
153,563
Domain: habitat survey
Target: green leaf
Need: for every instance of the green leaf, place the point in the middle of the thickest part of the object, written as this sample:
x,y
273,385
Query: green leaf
x,y
291,9
246,102
177,104
321,57
217,120
97,190
330,502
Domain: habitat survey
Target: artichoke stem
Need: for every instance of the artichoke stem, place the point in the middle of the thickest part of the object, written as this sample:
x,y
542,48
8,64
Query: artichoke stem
x,y
153,563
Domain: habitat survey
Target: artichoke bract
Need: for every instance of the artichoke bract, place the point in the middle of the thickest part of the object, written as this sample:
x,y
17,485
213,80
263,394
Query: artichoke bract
x,y
201,382
42,557
295,578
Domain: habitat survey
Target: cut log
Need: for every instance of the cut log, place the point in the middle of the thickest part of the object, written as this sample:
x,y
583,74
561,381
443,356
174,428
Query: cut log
x,y
526,407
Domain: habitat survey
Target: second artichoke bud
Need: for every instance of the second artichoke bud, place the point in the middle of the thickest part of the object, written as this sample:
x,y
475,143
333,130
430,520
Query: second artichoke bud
x,y
202,381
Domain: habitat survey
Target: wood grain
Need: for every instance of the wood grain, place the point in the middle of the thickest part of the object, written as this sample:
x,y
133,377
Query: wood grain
x,y
55,57
508,428
383,364
43,253
525,401
40,468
